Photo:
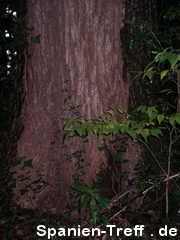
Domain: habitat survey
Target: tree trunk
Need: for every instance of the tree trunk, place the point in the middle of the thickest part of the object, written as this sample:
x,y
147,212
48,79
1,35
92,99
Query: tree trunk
x,y
76,70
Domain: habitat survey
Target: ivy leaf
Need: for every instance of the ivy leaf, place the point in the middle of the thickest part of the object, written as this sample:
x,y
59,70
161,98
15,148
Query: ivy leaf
x,y
163,74
69,122
36,39
28,163
160,118
18,161
23,191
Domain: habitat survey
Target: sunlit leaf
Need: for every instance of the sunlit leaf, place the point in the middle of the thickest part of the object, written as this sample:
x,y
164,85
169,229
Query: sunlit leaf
x,y
111,112
163,74
103,117
160,118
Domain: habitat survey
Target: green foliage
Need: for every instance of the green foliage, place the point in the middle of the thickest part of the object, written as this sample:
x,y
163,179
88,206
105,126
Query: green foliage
x,y
93,198
147,124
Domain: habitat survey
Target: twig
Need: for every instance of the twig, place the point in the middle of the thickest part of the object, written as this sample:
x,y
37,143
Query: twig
x,y
152,155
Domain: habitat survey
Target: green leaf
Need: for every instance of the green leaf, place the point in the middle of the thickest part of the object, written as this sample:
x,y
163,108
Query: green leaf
x,y
95,130
103,201
30,29
83,189
166,90
23,191
132,133
28,163
157,185
150,74
12,185
163,74
152,117
115,130
171,120
137,75
103,117
145,133
160,118
36,39
18,160
89,129
83,200
173,60
156,132
111,112
176,192
69,122
142,185
80,129
93,210
67,134
177,118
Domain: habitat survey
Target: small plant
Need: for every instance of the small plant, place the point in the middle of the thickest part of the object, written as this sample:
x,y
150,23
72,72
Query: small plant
x,y
93,198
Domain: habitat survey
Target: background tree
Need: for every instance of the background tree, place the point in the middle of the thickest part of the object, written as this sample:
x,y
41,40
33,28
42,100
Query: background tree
x,y
76,77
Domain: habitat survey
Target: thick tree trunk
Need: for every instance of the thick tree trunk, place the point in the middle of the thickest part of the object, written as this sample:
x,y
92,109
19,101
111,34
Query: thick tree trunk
x,y
76,70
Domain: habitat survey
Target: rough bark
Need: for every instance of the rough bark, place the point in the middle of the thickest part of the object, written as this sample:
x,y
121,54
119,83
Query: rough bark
x,y
76,70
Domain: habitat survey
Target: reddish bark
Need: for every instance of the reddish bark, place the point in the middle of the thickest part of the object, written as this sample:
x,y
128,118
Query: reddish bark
x,y
78,62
